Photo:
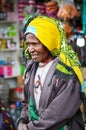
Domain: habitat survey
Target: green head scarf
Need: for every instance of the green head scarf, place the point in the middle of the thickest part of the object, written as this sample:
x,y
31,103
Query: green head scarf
x,y
51,34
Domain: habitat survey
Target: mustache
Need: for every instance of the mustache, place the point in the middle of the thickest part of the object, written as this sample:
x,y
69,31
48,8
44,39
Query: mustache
x,y
34,53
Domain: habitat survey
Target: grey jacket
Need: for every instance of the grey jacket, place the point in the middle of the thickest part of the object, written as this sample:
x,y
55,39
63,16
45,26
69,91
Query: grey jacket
x,y
59,102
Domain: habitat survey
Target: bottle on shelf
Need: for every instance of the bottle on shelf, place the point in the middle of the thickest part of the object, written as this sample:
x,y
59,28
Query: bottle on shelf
x,y
18,108
13,114
15,110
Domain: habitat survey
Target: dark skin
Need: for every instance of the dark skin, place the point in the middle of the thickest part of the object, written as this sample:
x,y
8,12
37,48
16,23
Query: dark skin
x,y
39,53
37,50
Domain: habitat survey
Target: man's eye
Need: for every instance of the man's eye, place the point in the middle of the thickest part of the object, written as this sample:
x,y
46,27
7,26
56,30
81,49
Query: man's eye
x,y
27,44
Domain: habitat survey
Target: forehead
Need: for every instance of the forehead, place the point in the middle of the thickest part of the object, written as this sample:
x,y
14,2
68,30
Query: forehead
x,y
32,38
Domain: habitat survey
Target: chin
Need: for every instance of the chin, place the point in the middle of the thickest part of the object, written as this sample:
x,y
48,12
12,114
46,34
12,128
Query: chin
x,y
36,60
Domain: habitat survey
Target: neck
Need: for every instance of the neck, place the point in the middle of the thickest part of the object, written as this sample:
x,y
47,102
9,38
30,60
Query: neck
x,y
42,64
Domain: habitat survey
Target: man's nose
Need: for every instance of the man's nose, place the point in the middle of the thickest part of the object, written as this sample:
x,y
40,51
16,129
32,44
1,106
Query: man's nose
x,y
31,48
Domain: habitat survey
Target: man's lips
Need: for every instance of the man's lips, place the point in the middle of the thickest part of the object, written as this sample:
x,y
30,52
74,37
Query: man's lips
x,y
35,56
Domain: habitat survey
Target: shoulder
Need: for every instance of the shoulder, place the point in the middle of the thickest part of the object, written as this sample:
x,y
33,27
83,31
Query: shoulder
x,y
29,64
65,72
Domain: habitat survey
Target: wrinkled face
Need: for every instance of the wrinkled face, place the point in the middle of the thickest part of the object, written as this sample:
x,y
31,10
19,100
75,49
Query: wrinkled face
x,y
37,50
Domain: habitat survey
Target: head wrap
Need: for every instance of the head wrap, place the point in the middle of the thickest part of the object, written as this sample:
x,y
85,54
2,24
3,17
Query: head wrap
x,y
51,34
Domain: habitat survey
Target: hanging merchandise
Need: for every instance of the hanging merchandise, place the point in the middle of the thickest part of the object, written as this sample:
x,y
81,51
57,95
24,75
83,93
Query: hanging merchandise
x,y
25,8
29,9
51,8
21,5
67,12
40,6
68,29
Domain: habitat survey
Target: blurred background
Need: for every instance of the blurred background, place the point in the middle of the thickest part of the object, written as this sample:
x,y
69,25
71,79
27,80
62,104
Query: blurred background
x,y
13,16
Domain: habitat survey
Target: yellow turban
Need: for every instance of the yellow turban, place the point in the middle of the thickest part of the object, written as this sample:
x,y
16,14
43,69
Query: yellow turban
x,y
51,34
46,31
